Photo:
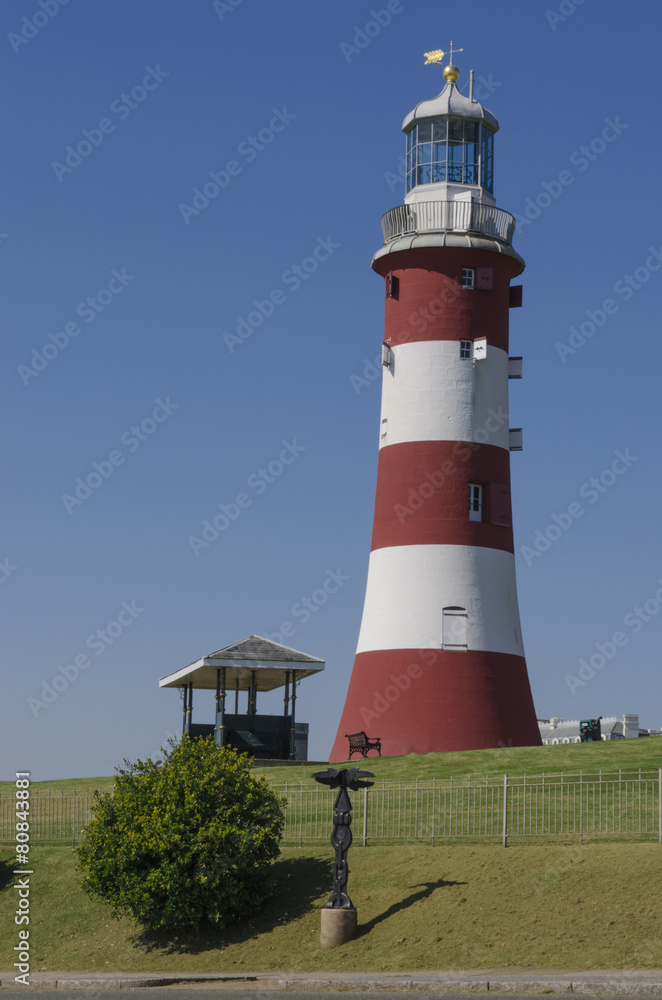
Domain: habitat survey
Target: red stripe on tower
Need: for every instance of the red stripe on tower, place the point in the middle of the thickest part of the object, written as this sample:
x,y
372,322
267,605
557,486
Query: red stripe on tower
x,y
440,661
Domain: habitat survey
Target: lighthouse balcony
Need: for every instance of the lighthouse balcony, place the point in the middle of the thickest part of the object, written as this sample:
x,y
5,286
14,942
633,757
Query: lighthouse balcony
x,y
461,217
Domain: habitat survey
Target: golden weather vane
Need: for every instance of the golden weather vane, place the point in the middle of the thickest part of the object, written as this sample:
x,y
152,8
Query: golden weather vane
x,y
438,54
433,57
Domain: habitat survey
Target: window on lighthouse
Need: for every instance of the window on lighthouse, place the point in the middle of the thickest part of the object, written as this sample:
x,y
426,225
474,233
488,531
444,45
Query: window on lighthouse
x,y
458,150
475,502
467,277
454,628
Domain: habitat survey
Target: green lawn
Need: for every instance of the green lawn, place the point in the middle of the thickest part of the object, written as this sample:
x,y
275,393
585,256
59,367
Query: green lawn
x,y
628,755
420,907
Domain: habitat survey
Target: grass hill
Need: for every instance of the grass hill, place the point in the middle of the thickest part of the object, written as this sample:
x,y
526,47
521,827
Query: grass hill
x,y
609,757
419,907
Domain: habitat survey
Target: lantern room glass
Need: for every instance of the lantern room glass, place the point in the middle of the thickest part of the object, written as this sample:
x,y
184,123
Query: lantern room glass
x,y
453,149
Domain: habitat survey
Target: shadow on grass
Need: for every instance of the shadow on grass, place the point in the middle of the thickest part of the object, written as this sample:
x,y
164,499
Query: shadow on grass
x,y
403,904
296,884
6,874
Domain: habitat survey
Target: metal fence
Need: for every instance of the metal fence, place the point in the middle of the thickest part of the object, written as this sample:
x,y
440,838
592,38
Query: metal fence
x,y
55,816
542,807
494,808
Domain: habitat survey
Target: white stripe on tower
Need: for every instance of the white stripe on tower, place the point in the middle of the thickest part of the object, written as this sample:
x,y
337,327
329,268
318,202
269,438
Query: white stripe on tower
x,y
429,393
479,579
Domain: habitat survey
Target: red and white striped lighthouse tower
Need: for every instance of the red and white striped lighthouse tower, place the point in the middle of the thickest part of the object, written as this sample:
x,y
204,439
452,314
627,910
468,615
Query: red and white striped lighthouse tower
x,y
440,660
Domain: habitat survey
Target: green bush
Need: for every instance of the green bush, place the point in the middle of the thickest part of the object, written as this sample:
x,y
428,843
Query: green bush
x,y
183,842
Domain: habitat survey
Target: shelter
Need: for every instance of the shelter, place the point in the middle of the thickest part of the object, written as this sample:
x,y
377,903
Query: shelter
x,y
251,665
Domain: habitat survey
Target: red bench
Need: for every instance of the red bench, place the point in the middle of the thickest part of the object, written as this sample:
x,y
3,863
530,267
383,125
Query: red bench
x,y
360,743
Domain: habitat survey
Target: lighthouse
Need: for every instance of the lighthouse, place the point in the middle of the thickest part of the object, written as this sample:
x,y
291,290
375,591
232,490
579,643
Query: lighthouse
x,y
440,660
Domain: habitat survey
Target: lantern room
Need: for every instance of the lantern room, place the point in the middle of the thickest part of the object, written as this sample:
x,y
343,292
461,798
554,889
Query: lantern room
x,y
450,147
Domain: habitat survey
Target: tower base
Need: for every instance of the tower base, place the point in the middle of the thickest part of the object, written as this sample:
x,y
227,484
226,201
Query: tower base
x,y
432,700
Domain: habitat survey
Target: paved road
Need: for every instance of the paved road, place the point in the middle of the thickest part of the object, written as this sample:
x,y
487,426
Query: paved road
x,y
240,992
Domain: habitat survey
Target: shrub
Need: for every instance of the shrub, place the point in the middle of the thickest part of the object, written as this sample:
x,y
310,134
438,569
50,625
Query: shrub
x,y
183,842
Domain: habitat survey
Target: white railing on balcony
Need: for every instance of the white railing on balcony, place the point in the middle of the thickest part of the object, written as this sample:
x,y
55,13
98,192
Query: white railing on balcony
x,y
448,216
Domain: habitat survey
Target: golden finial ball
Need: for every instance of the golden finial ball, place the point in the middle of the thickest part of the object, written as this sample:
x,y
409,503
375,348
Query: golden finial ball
x,y
451,73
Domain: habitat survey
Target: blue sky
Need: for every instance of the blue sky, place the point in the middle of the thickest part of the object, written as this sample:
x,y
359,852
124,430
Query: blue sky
x,y
297,110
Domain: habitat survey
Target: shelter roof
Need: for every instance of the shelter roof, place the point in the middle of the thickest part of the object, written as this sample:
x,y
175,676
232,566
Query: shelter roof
x,y
268,661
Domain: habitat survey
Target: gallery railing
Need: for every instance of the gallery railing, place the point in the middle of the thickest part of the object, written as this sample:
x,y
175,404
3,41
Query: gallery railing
x,y
448,216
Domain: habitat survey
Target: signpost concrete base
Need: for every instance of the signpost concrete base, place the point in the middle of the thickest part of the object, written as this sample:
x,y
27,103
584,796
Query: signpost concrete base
x,y
337,926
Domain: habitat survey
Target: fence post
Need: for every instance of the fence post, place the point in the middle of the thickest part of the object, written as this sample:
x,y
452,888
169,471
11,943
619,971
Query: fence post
x,y
470,812
505,810
434,782
659,806
365,817
301,815
581,814
450,810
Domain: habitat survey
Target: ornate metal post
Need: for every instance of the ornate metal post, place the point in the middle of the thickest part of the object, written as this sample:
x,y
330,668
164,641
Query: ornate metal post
x,y
293,729
339,913
219,730
184,706
189,710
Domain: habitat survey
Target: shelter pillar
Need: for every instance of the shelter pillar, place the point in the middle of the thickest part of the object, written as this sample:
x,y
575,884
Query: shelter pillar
x,y
219,732
252,695
184,704
292,732
189,710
